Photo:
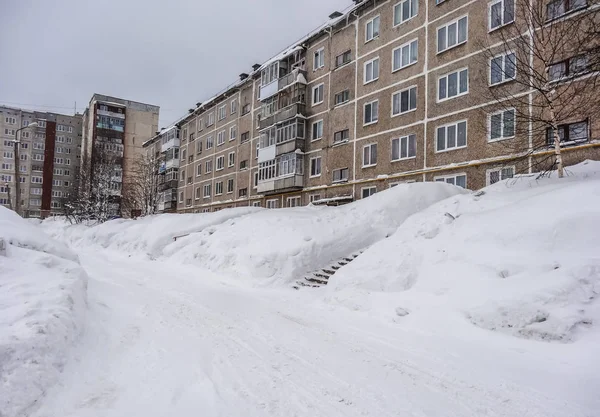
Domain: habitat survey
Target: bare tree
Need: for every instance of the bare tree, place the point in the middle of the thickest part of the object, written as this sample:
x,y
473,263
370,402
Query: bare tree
x,y
542,68
140,193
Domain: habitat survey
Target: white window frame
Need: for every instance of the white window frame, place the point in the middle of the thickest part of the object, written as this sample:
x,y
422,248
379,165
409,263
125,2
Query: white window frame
x,y
233,133
413,15
488,174
311,167
220,158
362,155
503,69
231,159
399,139
208,166
218,184
319,59
362,191
312,127
446,149
365,110
371,61
489,125
274,202
297,199
316,88
399,48
222,112
372,23
199,170
220,138
230,181
206,191
198,193
443,178
233,106
341,180
489,14
459,94
399,93
446,27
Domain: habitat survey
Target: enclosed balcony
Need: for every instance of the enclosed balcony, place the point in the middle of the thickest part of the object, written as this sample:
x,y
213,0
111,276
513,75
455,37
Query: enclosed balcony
x,y
278,69
170,184
169,139
293,110
282,139
172,143
284,173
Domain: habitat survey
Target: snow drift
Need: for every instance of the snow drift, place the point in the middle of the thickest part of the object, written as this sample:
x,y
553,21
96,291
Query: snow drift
x,y
42,308
523,258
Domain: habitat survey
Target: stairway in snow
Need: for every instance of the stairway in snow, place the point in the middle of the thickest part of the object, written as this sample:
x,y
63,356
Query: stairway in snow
x,y
321,277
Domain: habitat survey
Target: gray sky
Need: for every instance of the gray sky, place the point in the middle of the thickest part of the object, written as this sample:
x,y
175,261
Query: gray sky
x,y
171,53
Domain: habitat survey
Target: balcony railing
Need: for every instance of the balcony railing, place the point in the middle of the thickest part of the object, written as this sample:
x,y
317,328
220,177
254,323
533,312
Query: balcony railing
x,y
172,184
292,78
111,114
110,126
170,144
172,163
283,115
281,184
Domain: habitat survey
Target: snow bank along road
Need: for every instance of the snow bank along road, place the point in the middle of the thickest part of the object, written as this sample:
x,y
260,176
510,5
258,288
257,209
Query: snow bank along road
x,y
164,339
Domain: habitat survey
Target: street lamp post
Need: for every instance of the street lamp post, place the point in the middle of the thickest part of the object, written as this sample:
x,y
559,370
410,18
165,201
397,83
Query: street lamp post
x,y
17,169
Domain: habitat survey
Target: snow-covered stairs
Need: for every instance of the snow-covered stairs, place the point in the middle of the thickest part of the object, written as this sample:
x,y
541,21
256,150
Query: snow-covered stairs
x,y
321,277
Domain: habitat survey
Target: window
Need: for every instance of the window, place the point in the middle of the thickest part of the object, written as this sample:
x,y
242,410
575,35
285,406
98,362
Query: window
x,y
199,170
37,180
35,202
343,59
36,191
6,178
458,179
404,147
270,74
23,157
183,154
60,139
452,34
219,188
404,101
192,136
208,167
368,191
317,130
39,146
257,149
233,107
371,70
70,129
10,132
181,197
61,128
372,29
272,204
59,149
499,174
24,135
220,138
568,68
199,124
242,192
342,97
255,183
210,119
220,162
199,147
371,112
69,140
572,132
222,112
294,201
59,161
317,94
233,133
405,10
315,167
230,185
231,159
182,178
56,193
209,142
245,137
67,161
246,109
319,59
9,155
41,123
340,175
452,136
370,155
207,190
189,179
198,193
341,136
501,125
501,12
10,120
37,157
405,55
67,150
453,85
6,166
503,68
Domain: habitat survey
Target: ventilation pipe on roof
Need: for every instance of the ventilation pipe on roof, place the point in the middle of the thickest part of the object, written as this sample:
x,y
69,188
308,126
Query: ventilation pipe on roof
x,y
243,76
255,67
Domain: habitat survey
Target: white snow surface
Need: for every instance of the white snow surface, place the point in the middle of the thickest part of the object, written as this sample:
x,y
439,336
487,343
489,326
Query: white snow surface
x,y
42,310
490,310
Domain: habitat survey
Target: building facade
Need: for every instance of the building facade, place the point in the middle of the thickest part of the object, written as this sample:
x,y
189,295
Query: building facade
x,y
164,148
116,129
49,159
384,93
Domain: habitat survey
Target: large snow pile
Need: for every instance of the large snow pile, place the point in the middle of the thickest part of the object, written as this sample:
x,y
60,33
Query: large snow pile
x,y
522,258
42,308
145,236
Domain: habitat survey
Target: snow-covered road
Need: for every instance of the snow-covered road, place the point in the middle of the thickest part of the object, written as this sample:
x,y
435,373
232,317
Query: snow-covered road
x,y
163,339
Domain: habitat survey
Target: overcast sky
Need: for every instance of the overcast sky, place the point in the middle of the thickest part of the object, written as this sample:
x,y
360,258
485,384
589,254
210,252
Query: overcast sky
x,y
171,53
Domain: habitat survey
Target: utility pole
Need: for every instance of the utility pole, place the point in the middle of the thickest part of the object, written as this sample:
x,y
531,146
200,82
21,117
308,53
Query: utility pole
x,y
17,170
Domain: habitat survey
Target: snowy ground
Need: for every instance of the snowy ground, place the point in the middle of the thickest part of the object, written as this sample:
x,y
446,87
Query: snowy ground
x,y
494,313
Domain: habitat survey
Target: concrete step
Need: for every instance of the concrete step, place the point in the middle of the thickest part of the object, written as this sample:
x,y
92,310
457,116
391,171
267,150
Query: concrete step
x,y
315,280
328,271
335,267
319,275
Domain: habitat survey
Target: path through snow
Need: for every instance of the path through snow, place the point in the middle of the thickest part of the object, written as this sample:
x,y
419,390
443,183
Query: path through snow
x,y
169,340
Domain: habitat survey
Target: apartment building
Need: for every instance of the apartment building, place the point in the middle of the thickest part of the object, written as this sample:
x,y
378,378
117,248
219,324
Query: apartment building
x,y
383,93
49,159
164,148
114,130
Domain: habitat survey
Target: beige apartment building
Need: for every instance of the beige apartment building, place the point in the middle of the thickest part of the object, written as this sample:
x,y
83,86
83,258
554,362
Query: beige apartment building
x,y
119,128
383,93
49,159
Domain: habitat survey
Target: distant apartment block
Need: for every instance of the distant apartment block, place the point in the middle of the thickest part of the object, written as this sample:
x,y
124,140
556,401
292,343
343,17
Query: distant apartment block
x,y
384,93
164,148
49,159
118,127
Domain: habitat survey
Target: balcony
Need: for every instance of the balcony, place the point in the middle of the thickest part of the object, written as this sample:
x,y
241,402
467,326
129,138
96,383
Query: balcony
x,y
295,76
172,163
172,184
281,184
111,114
268,90
282,115
110,126
172,143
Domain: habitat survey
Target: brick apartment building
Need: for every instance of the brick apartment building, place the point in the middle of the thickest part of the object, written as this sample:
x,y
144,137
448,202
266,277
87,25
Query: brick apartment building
x,y
383,93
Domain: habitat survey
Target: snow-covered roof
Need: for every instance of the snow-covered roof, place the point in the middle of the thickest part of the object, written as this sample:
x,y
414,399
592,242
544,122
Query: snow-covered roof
x,y
282,55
